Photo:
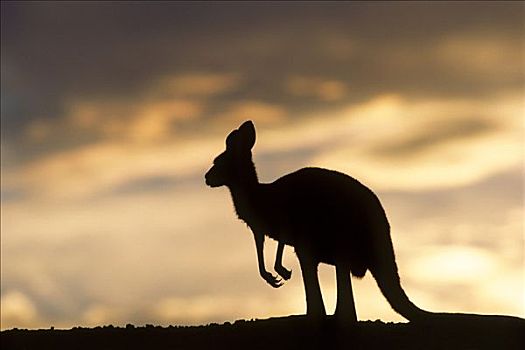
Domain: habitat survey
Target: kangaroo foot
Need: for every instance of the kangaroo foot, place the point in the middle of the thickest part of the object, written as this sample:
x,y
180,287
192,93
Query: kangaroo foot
x,y
317,312
345,316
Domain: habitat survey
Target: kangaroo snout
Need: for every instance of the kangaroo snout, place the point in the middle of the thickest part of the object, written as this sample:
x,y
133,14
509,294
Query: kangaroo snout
x,y
209,179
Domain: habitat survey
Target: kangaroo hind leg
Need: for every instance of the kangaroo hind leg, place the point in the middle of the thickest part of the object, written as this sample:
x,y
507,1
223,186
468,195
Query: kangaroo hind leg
x,y
314,299
345,307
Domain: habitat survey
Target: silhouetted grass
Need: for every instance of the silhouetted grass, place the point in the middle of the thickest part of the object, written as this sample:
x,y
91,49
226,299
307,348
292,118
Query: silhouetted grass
x,y
294,332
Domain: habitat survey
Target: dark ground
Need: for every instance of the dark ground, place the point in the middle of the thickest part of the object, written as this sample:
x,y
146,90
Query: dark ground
x,y
294,332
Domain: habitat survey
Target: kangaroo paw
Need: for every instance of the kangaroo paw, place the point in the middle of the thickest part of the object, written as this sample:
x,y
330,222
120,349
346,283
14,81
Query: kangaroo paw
x,y
272,280
283,272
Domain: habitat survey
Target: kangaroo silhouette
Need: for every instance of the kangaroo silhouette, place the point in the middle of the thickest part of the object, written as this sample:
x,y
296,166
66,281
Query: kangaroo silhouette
x,y
327,216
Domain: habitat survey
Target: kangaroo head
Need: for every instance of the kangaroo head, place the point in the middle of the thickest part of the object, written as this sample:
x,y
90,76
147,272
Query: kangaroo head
x,y
232,166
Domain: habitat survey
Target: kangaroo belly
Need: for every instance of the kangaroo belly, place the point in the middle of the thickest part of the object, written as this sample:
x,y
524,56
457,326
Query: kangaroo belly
x,y
341,242
330,216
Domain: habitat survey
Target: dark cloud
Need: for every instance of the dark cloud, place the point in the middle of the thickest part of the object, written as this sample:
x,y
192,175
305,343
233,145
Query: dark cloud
x,y
52,52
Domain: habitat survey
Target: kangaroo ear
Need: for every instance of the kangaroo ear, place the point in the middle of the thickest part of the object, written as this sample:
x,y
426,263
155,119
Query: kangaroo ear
x,y
232,139
247,135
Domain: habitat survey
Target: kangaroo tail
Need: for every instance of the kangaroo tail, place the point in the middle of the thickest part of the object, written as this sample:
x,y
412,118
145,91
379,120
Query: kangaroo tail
x,y
391,288
382,265
384,269
388,281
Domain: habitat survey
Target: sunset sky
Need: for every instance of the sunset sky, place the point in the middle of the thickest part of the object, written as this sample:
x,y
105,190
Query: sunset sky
x,y
111,113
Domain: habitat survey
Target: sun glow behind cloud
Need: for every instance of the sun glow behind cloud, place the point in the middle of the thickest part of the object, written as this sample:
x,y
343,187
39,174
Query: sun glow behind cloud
x,y
106,219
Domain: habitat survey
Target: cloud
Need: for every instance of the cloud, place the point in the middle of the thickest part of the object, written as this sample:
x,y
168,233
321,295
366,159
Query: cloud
x,y
135,121
408,135
476,275
495,56
156,114
105,217
259,112
97,168
437,142
18,310
99,314
384,48
395,143
437,132
458,264
198,84
327,90
151,116
153,245
472,238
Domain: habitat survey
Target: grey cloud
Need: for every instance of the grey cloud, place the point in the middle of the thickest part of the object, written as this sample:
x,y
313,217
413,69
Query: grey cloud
x,y
272,165
152,184
9,195
54,51
434,135
483,206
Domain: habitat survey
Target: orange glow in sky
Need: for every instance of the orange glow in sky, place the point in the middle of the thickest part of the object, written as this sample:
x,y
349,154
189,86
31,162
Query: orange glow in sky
x,y
111,114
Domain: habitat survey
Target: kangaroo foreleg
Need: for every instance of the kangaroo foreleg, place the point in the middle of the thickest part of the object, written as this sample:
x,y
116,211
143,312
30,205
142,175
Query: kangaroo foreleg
x,y
279,268
272,280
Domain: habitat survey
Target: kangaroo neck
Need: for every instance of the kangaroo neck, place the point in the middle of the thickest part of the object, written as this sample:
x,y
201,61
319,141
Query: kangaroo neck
x,y
245,195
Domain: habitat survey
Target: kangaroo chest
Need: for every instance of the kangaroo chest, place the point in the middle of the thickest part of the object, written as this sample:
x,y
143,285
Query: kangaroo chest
x,y
253,208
